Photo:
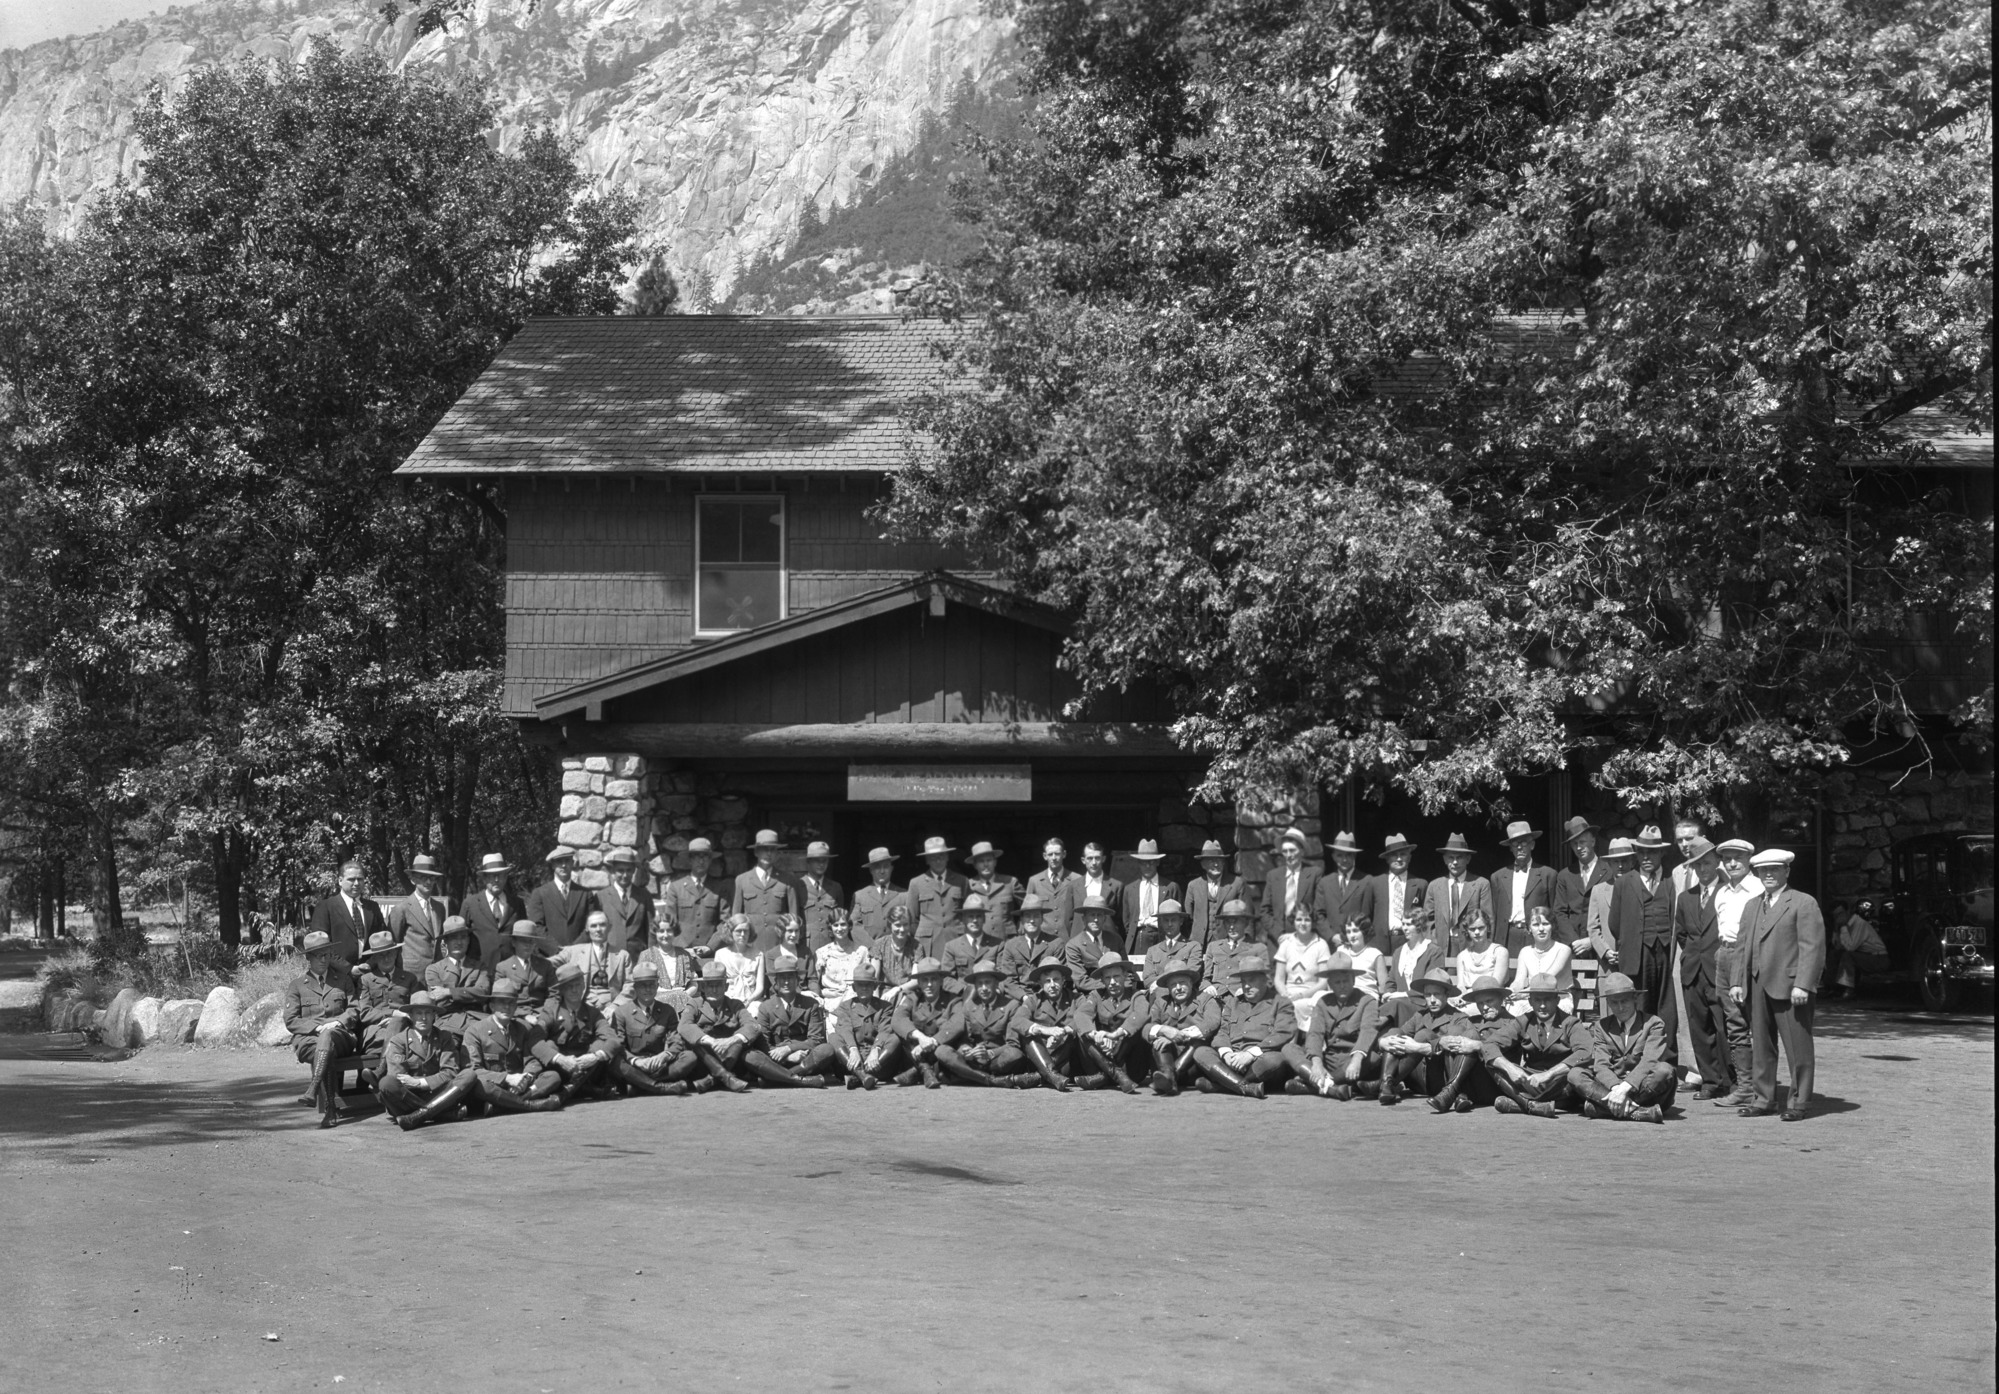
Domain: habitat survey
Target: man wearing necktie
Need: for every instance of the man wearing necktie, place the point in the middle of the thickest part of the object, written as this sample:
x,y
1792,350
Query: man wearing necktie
x,y
1344,896
628,906
490,911
347,918
1520,889
559,904
1457,895
1143,897
761,894
417,920
1641,916
1397,895
1291,883
1698,930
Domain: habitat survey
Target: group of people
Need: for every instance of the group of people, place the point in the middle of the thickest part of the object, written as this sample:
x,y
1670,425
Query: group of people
x,y
1458,990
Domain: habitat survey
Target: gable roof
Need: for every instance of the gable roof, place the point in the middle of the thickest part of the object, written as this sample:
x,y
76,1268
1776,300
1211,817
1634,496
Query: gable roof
x,y
933,588
629,394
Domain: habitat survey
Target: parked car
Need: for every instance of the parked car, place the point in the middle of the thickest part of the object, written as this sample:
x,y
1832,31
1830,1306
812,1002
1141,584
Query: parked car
x,y
1938,925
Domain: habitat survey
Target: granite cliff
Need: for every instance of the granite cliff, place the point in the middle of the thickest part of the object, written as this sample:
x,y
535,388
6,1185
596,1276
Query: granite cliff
x,y
735,122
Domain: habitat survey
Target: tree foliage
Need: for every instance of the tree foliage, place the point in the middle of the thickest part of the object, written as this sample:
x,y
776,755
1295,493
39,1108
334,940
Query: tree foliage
x,y
253,637
1427,392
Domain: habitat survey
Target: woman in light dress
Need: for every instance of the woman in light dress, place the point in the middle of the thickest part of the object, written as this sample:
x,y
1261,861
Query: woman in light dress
x,y
1480,957
1301,962
833,966
741,961
1370,965
1542,956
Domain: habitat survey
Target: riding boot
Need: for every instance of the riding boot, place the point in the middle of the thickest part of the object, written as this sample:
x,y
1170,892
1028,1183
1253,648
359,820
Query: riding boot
x,y
1026,1080
953,1064
1454,1080
443,1103
1114,1077
1095,1080
1044,1066
1166,1070
905,1078
719,1071
545,1083
639,1082
772,1073
931,1079
507,1101
1227,1080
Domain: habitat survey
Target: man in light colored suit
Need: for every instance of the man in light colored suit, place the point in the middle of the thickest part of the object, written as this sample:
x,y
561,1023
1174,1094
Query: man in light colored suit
x,y
1520,889
1396,894
1457,895
347,918
417,920
1343,895
1289,884
1776,964
628,906
558,905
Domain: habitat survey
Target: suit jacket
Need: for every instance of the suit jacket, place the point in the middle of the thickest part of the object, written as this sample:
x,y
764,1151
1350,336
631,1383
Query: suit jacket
x,y
631,920
696,908
763,902
331,918
1539,891
933,902
1379,933
1271,914
872,905
1699,935
1204,908
816,908
1128,913
560,915
486,927
1001,893
1781,946
1336,907
1571,907
1627,919
1448,929
417,921
1061,897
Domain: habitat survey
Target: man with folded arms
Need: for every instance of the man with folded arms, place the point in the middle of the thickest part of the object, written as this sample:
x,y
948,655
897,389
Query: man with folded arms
x,y
1335,1054
1628,1075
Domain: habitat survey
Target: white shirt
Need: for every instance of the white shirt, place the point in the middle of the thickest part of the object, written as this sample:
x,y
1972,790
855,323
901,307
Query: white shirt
x,y
1520,878
1586,869
1730,902
1148,901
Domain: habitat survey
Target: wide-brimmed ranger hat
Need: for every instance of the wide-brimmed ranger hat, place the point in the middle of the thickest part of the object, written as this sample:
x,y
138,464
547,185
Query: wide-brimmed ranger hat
x,y
936,847
1250,965
983,849
316,940
1178,968
380,942
1486,986
1051,964
1437,979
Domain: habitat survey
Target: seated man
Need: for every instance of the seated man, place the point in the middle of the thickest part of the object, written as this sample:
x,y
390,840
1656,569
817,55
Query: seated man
x,y
1227,947
984,937
1413,1057
500,1055
1246,1054
790,1026
651,1057
522,959
1172,946
1338,1050
919,1019
422,1078
1485,1031
1107,1020
862,1044
1552,1042
1627,1075
1041,1029
1180,1019
1090,938
381,988
719,1030
324,1022
605,969
577,1042
459,986
1032,941
975,1042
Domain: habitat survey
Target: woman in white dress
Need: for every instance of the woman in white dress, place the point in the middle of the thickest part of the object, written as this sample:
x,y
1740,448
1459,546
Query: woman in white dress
x,y
1301,962
1370,965
741,961
1542,956
1480,957
834,963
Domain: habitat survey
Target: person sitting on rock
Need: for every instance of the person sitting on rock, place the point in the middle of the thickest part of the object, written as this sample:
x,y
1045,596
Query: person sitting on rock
x,y
325,1024
423,1078
1628,1075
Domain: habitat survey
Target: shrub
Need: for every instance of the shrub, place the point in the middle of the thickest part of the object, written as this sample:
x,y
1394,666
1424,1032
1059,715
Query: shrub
x,y
262,976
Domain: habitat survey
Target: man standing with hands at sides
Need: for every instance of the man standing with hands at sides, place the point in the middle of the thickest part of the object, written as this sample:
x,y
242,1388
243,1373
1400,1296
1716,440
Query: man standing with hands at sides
x,y
1344,896
936,896
694,906
1058,887
1641,916
1457,895
1207,895
1289,885
761,894
1139,907
627,906
1777,962
557,906
417,920
818,895
873,901
491,910
1733,895
1572,887
1520,889
1697,930
1396,895
347,918
999,890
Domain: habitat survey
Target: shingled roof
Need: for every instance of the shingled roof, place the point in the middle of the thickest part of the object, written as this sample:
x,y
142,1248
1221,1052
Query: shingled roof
x,y
682,394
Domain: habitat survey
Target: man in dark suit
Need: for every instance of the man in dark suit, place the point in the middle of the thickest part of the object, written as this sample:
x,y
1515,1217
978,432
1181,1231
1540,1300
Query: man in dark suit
x,y
1572,886
693,903
628,906
347,918
1698,931
1205,897
1778,959
1518,890
1288,885
1641,916
1060,889
873,901
1396,895
559,905
490,911
761,894
1097,881
417,920
1139,905
1457,895
1344,896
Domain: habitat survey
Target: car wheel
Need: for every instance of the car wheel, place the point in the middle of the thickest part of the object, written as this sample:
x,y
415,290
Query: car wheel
x,y
1939,992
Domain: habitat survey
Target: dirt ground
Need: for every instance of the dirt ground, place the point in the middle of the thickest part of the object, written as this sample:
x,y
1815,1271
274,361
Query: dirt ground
x,y
164,1213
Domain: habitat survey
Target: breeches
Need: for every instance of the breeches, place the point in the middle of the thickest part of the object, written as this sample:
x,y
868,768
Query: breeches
x,y
399,1098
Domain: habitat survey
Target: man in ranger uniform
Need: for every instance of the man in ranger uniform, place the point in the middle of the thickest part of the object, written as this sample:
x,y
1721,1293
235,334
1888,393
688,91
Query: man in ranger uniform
x,y
459,987
1411,1048
577,1041
918,1023
719,1029
1034,939
790,1027
1335,1054
694,906
1485,1031
1108,1019
1552,1043
499,1053
984,937
1180,1019
975,1046
324,1023
761,894
874,901
861,1038
1173,946
1090,937
523,960
936,896
1228,948
999,890
422,1076
381,987
1246,1053
819,895
1041,1029
651,1058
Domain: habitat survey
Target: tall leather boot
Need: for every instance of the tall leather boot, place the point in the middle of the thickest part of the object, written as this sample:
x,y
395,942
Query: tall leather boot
x,y
953,1064
719,1071
443,1103
1044,1067
1227,1080
1114,1077
772,1073
507,1101
639,1082
325,1091
1455,1070
546,1083
931,1079
1392,1070
1165,1070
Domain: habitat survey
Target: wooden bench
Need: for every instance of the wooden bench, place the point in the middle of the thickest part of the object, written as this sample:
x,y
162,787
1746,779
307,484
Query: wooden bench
x,y
367,1060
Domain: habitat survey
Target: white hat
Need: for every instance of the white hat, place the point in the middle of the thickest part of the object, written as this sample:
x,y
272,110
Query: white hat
x,y
1773,856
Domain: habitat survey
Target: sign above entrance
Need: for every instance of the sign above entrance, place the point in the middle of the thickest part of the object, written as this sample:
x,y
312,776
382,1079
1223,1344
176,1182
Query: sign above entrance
x,y
940,783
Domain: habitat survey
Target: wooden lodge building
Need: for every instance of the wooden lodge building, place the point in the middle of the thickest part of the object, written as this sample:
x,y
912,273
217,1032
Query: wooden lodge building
x,y
708,627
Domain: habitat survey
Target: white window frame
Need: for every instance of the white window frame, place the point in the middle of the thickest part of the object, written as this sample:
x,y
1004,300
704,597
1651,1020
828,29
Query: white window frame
x,y
783,560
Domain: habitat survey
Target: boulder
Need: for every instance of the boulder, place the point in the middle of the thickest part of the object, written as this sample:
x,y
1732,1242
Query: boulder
x,y
274,1032
220,1015
146,1019
118,1028
68,1010
178,1018
259,1014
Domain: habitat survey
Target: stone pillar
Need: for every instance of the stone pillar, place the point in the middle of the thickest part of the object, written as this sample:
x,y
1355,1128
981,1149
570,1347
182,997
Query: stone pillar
x,y
1261,819
607,802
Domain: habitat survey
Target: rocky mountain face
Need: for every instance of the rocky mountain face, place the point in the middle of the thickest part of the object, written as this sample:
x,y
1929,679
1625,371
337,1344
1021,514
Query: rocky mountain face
x,y
735,122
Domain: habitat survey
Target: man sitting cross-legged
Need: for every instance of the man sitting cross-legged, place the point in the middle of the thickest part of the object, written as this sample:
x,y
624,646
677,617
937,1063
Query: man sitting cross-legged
x,y
1552,1042
651,1056
578,1042
500,1055
1628,1075
918,1022
790,1027
423,1079
1246,1054
1108,1019
1179,1021
719,1030
1485,1031
1338,1050
974,1045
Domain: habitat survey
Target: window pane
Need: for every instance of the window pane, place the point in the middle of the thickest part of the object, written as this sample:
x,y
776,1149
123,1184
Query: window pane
x,y
739,598
762,531
721,531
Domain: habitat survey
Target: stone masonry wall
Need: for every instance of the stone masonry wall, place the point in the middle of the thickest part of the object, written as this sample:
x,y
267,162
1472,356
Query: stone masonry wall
x,y
607,802
1868,812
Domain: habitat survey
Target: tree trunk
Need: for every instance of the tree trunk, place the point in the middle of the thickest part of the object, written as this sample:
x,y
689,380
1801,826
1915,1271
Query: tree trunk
x,y
455,820
225,855
45,901
111,918
61,893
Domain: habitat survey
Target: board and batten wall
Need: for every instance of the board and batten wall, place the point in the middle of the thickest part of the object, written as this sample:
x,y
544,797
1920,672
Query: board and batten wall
x,y
600,572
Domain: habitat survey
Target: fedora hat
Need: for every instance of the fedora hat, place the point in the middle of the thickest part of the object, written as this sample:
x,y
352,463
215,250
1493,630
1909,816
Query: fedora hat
x,y
866,972
1698,848
1344,842
493,864
1148,851
316,940
1619,847
1178,968
767,837
1236,910
985,968
1456,843
1650,839
561,854
927,968
1210,848
1296,835
380,942
526,932
983,849
700,845
1251,963
1487,986
1396,843
1543,982
1576,827
1616,985
879,855
1051,964
423,864
1438,979
1519,828
621,856
935,847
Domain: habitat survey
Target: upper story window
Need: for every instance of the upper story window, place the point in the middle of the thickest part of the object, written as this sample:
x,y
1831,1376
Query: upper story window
x,y
738,562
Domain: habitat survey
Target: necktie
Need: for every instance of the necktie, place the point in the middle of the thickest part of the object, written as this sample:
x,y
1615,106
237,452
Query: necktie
x,y
1457,887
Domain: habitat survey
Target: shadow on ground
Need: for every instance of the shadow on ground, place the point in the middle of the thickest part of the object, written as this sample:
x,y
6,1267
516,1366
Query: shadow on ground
x,y
80,1118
